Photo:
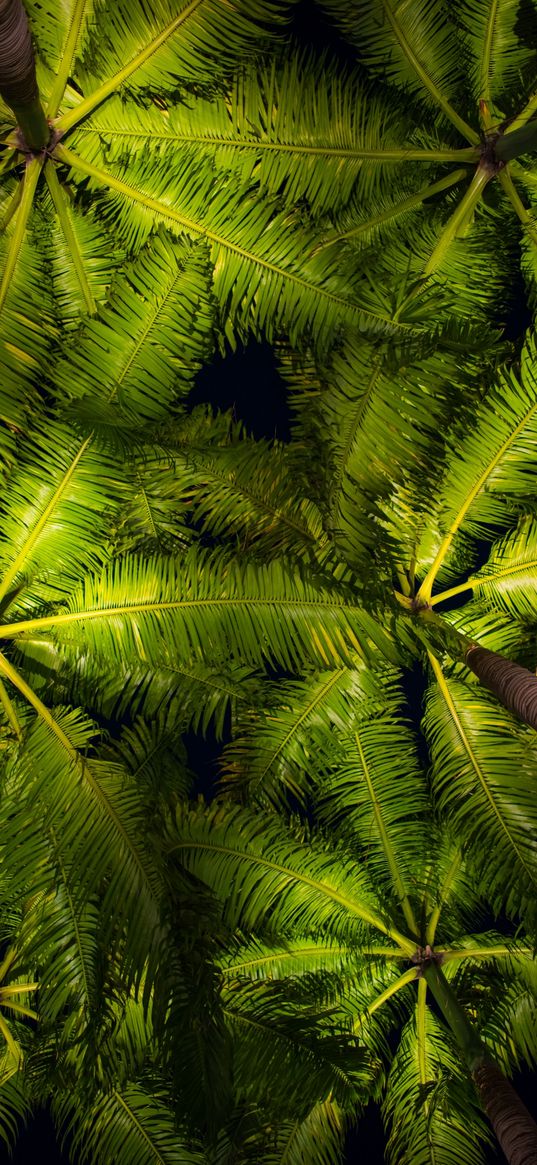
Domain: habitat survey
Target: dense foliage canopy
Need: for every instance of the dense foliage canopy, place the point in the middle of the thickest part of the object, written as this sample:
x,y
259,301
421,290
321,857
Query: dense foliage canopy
x,y
350,916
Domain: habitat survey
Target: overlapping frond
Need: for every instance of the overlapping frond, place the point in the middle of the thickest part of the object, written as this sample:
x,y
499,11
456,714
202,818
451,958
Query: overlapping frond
x,y
500,51
85,817
205,604
296,128
413,46
376,796
56,514
488,476
261,873
317,1140
14,1102
265,275
287,746
299,1053
27,327
131,1125
428,1081
483,779
156,330
170,43
508,579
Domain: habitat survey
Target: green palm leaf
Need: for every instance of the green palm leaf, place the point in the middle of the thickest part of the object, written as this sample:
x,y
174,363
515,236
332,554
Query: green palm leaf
x,y
318,1139
482,773
204,604
130,1125
488,467
414,47
500,53
289,1042
259,871
426,1080
163,296
56,516
14,1102
288,746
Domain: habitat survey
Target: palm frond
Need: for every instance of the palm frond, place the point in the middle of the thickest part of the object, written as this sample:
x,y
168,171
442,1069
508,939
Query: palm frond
x,y
156,331
85,815
261,873
206,604
507,581
318,1139
300,1056
297,128
483,778
488,474
130,1125
414,47
164,47
428,1081
56,515
500,53
265,275
286,747
14,1101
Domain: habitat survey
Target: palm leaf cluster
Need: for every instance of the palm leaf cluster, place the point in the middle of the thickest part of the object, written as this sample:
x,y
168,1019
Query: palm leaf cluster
x,y
192,983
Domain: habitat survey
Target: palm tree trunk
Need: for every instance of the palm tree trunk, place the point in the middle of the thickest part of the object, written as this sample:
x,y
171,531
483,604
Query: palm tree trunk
x,y
514,685
18,83
514,1126
515,1129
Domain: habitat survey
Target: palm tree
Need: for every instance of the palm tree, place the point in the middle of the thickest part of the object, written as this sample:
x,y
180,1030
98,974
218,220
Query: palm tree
x,y
319,525
342,557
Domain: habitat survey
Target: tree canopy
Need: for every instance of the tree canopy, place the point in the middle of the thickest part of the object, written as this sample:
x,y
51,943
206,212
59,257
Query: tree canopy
x,y
350,916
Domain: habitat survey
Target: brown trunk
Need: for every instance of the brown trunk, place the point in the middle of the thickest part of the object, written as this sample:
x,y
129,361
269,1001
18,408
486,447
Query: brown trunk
x,y
18,84
513,1125
515,686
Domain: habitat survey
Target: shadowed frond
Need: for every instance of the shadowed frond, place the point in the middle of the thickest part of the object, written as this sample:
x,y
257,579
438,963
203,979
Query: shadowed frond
x,y
427,1081
413,46
497,37
316,1140
130,1125
260,872
300,1053
156,330
287,746
483,766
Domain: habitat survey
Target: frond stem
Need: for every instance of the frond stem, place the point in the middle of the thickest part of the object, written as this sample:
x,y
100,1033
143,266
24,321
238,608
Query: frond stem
x,y
10,711
67,57
524,215
31,176
386,843
406,977
460,218
88,104
60,206
398,208
524,116
499,952
451,873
